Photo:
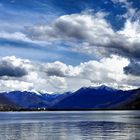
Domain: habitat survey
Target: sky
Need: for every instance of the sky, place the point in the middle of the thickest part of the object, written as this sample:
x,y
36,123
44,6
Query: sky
x,y
63,45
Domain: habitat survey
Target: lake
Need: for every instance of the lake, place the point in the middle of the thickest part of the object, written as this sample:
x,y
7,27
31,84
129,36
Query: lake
x,y
72,125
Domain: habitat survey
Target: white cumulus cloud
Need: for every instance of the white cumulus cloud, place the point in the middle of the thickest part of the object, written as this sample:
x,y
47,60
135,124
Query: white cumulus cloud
x,y
60,77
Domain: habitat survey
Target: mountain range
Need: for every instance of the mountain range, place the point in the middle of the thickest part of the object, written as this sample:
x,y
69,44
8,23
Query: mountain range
x,y
86,98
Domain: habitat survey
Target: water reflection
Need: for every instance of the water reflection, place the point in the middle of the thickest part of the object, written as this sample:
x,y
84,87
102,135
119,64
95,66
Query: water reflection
x,y
70,126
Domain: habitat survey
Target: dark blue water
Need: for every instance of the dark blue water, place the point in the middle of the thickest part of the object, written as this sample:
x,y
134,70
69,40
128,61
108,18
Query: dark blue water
x,y
78,125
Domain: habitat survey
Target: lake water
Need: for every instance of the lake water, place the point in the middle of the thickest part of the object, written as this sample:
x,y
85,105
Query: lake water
x,y
73,125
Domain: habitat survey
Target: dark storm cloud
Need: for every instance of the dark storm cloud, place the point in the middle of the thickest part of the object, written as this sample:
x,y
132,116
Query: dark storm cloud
x,y
8,69
133,68
55,72
120,45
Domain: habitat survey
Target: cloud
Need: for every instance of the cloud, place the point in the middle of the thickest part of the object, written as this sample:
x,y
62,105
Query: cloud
x,y
74,27
22,74
14,36
126,41
60,82
11,85
12,67
92,34
103,71
60,69
133,68
131,12
60,77
109,71
56,69
124,3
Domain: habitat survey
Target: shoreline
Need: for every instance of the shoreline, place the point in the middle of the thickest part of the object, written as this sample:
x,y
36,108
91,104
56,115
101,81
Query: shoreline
x,y
68,110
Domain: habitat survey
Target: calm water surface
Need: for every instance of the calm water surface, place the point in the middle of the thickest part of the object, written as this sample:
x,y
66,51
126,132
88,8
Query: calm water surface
x,y
78,125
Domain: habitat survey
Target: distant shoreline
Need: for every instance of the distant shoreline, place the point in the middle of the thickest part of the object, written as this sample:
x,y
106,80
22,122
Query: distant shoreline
x,y
51,110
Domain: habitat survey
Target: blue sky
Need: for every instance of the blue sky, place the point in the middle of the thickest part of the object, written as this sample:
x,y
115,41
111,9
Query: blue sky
x,y
16,15
72,39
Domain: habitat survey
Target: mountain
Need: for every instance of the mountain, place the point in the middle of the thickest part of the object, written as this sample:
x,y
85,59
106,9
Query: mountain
x,y
97,98
33,100
102,97
27,100
6,104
